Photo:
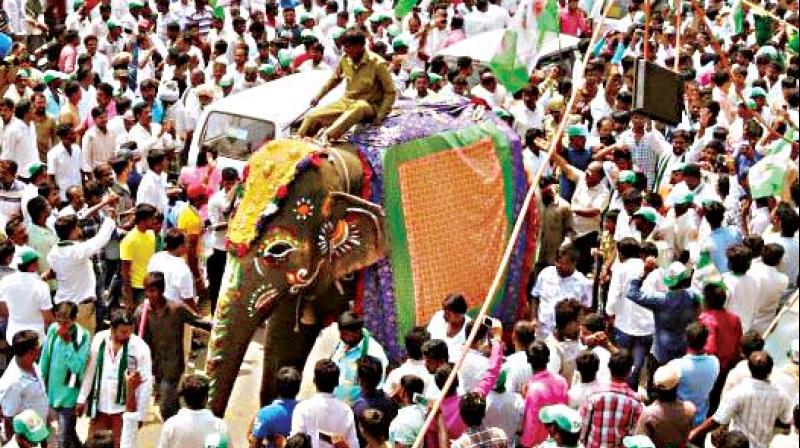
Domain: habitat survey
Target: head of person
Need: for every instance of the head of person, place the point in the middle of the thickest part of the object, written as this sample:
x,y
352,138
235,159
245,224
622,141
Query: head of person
x,y
696,337
193,390
414,341
7,250
373,425
411,386
714,296
628,248
30,429
567,314
538,356
665,381
435,353
75,198
587,364
645,220
591,324
65,314
631,201
66,134
563,423
100,439
38,210
354,42
454,307
440,378
26,347
369,371
299,440
154,286
351,328
157,161
67,228
326,376
739,258
620,365
122,322
523,335
565,261
472,408
594,174
786,219
287,382
714,212
760,364
16,231
772,254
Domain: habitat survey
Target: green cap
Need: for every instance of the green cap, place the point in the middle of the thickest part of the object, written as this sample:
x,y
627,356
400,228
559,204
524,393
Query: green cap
x,y
398,42
638,442
577,130
416,73
500,386
111,24
758,92
135,4
31,426
308,35
627,177
337,32
675,273
685,198
24,73
284,57
433,77
748,103
648,213
78,3
393,30
562,416
499,112
305,16
226,81
218,13
52,75
34,168
217,440
359,10
27,256
267,69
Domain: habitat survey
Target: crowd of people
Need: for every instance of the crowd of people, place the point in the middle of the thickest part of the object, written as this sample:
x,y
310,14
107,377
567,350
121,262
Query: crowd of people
x,y
665,253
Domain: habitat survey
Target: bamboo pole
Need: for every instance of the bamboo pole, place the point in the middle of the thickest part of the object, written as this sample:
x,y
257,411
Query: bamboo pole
x,y
512,238
646,40
678,18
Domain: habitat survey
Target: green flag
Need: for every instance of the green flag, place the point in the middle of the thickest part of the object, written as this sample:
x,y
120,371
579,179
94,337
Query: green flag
x,y
764,28
404,7
766,178
737,18
506,66
548,20
793,46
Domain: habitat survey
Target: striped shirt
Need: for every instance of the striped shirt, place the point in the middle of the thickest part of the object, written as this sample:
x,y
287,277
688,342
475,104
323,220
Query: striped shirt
x,y
10,201
645,152
482,437
753,407
610,413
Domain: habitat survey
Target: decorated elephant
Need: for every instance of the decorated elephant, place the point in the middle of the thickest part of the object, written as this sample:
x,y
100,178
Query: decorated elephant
x,y
389,223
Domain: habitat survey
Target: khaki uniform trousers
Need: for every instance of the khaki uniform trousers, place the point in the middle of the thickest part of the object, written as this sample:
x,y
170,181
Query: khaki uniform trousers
x,y
341,115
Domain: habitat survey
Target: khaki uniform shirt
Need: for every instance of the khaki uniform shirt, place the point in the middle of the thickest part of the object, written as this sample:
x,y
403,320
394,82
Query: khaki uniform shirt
x,y
368,80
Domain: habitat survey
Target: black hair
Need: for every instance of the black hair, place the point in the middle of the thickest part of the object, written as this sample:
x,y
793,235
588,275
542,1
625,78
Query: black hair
x,y
525,332
714,213
628,248
739,258
350,321
22,108
287,382
36,207
587,364
538,355
620,364
370,371
760,364
412,384
119,317
414,341
174,239
755,243
24,341
435,349
374,423
326,375
455,303
772,254
752,341
440,378
144,212
481,333
566,312
472,408
155,279
65,225
594,322
194,391
696,336
788,219
155,157
714,296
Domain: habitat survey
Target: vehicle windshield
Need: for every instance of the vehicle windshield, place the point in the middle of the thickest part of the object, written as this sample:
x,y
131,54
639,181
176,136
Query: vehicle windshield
x,y
235,136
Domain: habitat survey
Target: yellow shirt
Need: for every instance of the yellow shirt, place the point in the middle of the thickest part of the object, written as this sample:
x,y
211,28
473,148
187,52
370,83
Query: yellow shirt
x,y
137,247
189,221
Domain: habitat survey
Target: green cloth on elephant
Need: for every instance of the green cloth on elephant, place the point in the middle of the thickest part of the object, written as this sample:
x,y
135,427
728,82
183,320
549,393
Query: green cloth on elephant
x,y
348,389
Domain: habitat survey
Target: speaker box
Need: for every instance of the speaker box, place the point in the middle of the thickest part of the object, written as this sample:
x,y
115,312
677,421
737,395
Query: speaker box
x,y
658,92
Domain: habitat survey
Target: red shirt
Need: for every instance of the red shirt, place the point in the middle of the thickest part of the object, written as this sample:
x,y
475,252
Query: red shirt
x,y
724,336
610,413
573,24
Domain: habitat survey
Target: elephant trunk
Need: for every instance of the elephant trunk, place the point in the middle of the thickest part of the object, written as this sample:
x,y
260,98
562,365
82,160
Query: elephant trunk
x,y
233,329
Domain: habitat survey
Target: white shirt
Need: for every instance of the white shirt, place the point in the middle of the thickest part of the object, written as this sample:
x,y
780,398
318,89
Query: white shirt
x,y
217,206
153,191
178,279
630,318
504,411
20,390
106,404
472,370
72,264
771,285
19,143
323,412
189,428
437,327
525,118
791,257
65,167
26,296
753,407
551,288
149,140
579,392
98,146
743,291
410,367
586,197
518,371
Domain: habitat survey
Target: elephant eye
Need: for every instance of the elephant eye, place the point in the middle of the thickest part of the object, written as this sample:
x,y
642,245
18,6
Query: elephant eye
x,y
278,249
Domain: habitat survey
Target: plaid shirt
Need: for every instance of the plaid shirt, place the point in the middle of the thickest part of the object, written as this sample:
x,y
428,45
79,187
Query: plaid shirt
x,y
610,413
481,437
645,152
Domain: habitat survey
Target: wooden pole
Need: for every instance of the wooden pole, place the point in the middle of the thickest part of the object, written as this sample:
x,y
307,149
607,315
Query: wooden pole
x,y
678,18
499,275
646,41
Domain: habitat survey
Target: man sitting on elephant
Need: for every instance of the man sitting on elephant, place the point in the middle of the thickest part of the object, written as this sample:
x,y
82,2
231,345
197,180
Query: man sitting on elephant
x,y
369,91
355,343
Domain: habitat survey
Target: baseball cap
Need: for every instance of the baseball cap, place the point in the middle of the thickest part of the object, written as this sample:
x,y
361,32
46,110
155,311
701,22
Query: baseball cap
x,y
226,81
111,24
433,77
556,103
638,442
34,168
135,4
399,42
666,377
31,426
648,213
674,274
685,198
758,92
51,75
577,130
359,10
691,169
27,256
284,57
305,16
267,69
562,416
627,177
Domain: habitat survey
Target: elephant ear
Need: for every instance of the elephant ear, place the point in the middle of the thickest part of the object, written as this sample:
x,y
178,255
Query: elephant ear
x,y
353,234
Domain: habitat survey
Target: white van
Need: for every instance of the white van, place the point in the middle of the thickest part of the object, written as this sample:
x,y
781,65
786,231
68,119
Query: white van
x,y
241,123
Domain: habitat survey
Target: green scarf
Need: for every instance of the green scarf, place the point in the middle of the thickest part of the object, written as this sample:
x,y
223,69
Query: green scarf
x,y
94,393
78,339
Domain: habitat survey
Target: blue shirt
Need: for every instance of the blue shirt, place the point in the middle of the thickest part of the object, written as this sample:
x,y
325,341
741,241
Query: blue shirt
x,y
377,400
581,161
723,238
274,419
157,112
672,312
698,375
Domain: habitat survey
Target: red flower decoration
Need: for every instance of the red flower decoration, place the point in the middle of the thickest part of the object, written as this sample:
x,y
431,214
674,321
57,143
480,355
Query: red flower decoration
x,y
241,250
282,192
315,160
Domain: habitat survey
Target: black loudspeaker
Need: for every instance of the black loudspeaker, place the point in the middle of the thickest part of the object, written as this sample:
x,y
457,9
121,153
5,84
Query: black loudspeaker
x,y
658,92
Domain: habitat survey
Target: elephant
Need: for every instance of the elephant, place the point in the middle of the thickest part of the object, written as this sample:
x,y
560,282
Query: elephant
x,y
318,230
